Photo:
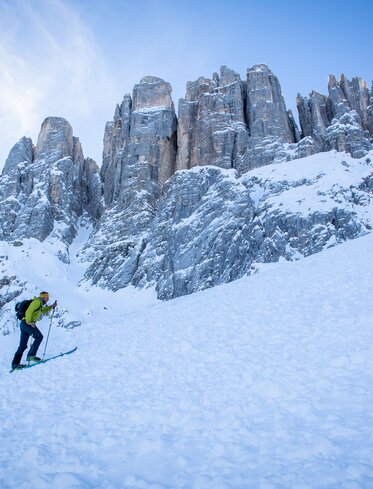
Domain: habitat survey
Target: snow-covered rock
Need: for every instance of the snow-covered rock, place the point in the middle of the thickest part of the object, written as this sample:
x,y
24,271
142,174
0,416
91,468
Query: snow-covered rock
x,y
213,227
213,220
211,122
201,235
44,190
139,156
340,120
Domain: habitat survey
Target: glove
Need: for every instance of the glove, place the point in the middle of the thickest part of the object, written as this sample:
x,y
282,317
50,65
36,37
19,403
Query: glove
x,y
54,305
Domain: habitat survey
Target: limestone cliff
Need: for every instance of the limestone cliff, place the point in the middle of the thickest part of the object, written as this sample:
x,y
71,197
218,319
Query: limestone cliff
x,y
186,203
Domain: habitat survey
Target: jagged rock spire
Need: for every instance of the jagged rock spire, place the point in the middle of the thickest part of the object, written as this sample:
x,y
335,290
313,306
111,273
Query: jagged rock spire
x,y
141,141
55,140
223,122
211,122
46,185
340,120
21,153
266,110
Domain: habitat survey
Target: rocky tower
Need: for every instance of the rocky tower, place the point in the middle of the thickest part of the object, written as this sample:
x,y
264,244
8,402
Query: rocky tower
x,y
230,123
139,156
212,128
342,120
205,224
140,143
270,125
266,109
41,188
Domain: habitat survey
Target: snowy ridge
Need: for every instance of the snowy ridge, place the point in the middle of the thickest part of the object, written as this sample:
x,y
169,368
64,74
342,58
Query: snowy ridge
x,y
265,383
316,183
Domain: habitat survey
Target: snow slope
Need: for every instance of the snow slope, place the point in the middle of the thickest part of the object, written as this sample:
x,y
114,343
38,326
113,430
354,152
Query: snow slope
x,y
263,383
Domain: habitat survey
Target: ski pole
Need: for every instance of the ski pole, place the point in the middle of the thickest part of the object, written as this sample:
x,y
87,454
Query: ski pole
x,y
31,343
49,330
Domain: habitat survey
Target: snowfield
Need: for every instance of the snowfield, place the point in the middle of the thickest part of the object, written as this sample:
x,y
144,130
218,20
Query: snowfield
x,y
263,383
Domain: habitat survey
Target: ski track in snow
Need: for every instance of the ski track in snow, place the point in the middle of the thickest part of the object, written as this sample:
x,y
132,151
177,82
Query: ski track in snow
x,y
263,383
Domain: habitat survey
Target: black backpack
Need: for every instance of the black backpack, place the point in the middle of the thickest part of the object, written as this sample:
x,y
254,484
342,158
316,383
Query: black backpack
x,y
21,308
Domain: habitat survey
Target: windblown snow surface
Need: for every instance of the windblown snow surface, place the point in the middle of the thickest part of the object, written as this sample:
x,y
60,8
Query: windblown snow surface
x,y
263,383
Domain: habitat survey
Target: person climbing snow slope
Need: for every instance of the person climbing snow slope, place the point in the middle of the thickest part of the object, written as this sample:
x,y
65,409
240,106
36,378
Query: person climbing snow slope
x,y
28,328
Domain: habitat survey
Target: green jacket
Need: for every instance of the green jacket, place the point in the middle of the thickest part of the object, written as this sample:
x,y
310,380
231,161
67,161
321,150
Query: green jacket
x,y
35,310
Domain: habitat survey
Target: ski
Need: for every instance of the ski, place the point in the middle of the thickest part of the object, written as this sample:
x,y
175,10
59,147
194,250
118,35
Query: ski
x,y
45,360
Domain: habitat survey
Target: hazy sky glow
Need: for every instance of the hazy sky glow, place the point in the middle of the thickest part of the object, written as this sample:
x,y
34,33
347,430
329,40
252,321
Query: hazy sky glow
x,y
77,58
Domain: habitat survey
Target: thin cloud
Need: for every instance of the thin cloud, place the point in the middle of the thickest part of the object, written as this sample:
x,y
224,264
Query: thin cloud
x,y
59,72
19,100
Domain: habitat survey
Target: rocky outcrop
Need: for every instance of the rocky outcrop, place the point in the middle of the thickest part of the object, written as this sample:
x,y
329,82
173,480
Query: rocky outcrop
x,y
55,141
212,127
201,235
42,189
340,120
314,116
266,110
22,153
270,125
140,143
345,134
225,209
229,123
357,95
212,227
139,156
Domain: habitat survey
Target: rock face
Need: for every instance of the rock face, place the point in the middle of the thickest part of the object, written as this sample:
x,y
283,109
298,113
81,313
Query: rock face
x,y
212,127
22,152
270,125
266,110
231,123
139,156
173,232
212,227
201,235
140,143
341,120
187,204
41,188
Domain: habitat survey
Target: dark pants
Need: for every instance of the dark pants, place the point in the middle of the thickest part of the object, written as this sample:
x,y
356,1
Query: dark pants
x,y
26,332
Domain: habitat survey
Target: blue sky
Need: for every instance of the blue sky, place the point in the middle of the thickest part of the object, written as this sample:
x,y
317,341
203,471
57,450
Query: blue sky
x,y
77,58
